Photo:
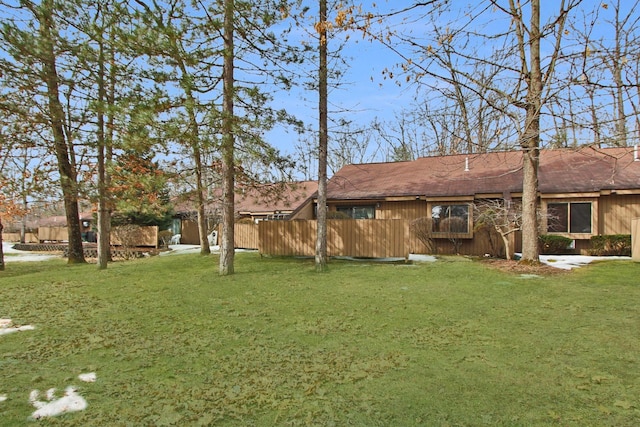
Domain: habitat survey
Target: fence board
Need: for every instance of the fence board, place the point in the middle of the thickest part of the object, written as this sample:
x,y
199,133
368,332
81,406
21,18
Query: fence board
x,y
53,234
635,239
245,236
135,236
357,238
15,237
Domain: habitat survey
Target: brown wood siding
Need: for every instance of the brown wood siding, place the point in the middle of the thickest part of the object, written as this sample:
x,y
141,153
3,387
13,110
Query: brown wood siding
x,y
306,212
402,210
616,212
484,242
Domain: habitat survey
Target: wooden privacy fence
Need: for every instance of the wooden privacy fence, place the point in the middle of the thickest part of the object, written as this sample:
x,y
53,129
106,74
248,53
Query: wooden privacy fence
x,y
635,239
357,238
245,236
120,235
366,238
53,234
15,237
134,236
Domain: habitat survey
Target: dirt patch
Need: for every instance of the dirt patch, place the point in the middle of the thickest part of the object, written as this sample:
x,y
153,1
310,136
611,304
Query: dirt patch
x,y
517,267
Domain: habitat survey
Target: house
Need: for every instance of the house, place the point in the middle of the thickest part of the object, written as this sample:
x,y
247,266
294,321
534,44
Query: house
x,y
51,229
586,191
265,202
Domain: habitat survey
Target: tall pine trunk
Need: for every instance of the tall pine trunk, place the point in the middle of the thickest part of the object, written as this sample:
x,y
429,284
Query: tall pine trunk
x,y
321,240
227,251
194,135
67,172
1,249
104,217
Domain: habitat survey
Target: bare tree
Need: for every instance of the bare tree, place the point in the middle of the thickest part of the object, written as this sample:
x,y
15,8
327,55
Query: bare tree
x,y
514,54
604,66
422,228
503,216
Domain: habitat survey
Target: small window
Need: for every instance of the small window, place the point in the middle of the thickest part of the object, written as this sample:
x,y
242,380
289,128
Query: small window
x,y
569,217
358,212
450,218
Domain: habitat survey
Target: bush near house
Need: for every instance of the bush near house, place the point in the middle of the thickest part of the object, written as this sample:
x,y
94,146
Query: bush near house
x,y
551,244
337,215
612,244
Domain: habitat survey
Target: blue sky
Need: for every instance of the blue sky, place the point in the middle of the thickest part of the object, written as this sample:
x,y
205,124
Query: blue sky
x,y
363,90
366,93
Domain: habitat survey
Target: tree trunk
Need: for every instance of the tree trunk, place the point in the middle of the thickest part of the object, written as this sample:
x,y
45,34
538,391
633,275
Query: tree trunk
x,y
530,142
103,210
507,246
56,113
227,250
1,249
197,158
617,64
321,241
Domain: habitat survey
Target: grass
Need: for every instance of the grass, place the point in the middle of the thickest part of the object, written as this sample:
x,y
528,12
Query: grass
x,y
451,343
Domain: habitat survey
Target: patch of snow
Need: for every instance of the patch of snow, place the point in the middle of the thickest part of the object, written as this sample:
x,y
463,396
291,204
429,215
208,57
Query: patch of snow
x,y
70,402
195,249
530,276
89,377
422,258
185,249
15,255
568,262
6,327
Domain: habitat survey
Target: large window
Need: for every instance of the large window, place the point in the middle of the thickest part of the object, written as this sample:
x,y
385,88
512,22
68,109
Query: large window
x,y
358,212
569,217
450,218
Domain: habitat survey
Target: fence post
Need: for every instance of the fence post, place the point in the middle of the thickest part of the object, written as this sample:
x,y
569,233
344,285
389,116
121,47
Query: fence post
x,y
635,239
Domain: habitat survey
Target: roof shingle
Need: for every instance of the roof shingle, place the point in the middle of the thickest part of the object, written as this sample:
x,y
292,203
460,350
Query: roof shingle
x,y
586,169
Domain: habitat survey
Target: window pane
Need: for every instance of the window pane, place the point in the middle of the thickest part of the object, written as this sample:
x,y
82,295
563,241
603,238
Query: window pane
x,y
459,219
558,217
363,212
580,218
436,213
358,212
450,218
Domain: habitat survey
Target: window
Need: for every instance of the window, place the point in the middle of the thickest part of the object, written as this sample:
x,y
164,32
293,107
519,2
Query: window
x,y
450,218
569,217
358,212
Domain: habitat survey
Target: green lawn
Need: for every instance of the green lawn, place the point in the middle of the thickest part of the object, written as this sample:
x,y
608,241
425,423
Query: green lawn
x,y
450,343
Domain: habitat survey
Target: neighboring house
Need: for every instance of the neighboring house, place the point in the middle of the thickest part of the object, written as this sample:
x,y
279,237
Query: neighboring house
x,y
273,201
48,229
588,191
263,202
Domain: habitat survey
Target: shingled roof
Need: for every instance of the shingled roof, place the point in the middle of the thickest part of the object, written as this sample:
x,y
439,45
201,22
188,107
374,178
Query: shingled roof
x,y
262,199
270,198
586,169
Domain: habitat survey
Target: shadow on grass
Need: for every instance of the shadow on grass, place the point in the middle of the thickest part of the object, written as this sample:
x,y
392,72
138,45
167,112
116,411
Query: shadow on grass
x,y
16,269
